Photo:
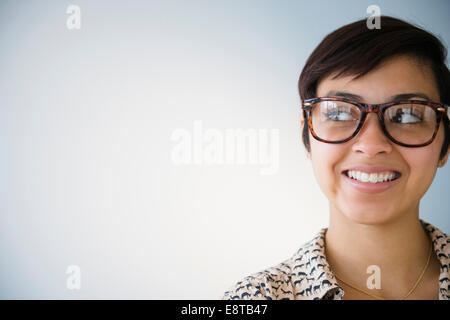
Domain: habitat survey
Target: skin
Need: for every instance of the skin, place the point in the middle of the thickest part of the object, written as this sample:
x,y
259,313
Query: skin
x,y
380,229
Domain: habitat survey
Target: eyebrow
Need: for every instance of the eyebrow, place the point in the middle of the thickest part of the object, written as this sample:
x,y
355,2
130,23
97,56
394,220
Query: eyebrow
x,y
401,96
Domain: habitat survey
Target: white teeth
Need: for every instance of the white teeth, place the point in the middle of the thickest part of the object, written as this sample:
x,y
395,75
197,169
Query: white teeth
x,y
371,177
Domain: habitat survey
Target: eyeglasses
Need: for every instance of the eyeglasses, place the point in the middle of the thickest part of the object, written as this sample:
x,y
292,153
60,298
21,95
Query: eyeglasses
x,y
408,123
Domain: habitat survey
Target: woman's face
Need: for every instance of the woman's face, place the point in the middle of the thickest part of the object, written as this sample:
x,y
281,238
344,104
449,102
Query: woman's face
x,y
371,151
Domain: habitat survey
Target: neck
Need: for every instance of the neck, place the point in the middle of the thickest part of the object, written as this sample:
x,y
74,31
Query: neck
x,y
399,248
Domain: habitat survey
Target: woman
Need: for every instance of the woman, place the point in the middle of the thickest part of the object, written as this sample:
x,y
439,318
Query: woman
x,y
376,128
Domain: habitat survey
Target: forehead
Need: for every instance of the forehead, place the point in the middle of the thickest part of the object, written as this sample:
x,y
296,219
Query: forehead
x,y
399,75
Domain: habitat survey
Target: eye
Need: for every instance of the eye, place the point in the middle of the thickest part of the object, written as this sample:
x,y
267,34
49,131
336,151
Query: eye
x,y
334,112
407,116
337,114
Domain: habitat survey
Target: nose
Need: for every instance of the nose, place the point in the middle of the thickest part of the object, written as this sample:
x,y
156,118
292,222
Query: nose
x,y
371,139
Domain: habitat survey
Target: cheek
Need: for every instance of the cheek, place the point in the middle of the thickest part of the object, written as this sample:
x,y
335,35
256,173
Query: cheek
x,y
424,160
422,163
324,159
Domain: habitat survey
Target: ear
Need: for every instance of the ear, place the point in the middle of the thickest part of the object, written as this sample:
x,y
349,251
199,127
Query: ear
x,y
302,122
443,161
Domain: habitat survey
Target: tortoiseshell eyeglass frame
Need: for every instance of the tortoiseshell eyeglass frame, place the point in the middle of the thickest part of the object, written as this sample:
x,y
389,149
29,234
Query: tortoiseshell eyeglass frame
x,y
379,109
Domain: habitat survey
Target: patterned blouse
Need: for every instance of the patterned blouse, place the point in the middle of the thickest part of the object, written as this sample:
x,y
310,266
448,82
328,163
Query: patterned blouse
x,y
307,274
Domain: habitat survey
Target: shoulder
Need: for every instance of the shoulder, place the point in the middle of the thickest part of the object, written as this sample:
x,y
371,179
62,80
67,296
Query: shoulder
x,y
303,275
440,240
269,284
441,246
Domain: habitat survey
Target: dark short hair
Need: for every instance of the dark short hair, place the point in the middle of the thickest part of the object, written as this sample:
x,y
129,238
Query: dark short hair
x,y
354,49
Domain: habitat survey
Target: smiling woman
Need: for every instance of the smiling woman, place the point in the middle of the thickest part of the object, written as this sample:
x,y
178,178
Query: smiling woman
x,y
376,128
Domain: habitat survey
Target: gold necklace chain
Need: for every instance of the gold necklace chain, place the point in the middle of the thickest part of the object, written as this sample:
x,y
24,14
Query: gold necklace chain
x,y
409,292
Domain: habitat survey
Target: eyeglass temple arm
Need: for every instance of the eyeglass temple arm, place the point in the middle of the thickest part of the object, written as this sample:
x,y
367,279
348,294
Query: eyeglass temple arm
x,y
446,110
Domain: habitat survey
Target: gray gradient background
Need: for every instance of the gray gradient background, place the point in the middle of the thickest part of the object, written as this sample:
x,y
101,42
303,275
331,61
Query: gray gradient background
x,y
86,118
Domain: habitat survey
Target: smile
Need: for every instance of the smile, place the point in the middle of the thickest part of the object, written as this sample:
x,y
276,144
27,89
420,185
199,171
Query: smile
x,y
371,179
374,177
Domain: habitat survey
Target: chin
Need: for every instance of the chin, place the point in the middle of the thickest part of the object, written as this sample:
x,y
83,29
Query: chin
x,y
369,215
